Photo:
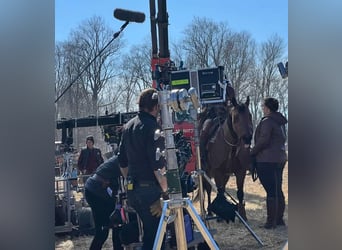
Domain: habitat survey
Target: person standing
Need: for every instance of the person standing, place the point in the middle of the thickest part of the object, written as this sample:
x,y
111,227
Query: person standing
x,y
100,190
143,172
90,157
270,157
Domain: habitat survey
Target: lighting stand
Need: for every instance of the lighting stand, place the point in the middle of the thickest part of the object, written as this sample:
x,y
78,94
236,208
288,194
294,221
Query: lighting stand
x,y
173,208
194,116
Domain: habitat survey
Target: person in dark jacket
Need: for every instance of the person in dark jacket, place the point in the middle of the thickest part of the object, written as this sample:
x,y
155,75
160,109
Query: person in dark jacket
x,y
90,157
100,191
143,172
270,157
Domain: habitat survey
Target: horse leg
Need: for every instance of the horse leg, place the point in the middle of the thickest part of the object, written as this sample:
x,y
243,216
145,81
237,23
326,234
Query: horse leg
x,y
240,180
221,179
207,188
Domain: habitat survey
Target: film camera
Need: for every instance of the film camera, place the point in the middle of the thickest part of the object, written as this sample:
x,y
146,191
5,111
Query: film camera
x,y
207,81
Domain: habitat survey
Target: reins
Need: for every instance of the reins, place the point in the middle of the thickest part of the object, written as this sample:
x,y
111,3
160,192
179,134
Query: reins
x,y
231,131
229,143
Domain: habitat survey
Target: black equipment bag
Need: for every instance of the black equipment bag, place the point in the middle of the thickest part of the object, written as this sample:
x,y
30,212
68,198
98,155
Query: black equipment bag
x,y
129,233
223,208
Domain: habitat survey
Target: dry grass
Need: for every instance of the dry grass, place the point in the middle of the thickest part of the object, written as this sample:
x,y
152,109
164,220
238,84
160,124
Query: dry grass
x,y
228,236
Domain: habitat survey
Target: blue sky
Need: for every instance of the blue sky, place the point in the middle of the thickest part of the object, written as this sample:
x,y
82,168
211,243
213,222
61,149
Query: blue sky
x,y
261,18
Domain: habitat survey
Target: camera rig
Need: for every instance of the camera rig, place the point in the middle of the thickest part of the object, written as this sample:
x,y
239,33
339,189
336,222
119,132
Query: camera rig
x,y
208,81
178,100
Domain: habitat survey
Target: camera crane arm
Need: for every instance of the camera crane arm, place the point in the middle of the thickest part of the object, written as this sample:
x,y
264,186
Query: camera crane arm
x,y
67,125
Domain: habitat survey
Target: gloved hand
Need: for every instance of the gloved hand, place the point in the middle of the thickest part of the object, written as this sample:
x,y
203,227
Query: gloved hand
x,y
165,195
156,208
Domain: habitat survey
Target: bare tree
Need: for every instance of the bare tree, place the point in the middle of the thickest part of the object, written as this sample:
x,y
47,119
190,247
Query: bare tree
x,y
271,53
238,60
89,39
266,80
135,75
204,46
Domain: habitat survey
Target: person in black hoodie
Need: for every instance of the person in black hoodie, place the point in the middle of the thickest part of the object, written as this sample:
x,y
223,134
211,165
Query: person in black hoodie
x,y
270,157
100,191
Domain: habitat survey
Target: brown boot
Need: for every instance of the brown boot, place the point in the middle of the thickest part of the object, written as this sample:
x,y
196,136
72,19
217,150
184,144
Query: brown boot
x,y
280,212
271,213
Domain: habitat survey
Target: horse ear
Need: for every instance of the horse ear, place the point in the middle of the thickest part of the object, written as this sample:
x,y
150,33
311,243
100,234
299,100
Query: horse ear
x,y
230,93
247,101
234,102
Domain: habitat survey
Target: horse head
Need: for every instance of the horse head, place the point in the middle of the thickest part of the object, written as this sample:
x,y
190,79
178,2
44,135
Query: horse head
x,y
241,121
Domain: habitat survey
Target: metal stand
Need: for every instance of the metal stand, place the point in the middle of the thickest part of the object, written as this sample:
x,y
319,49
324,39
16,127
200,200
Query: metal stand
x,y
193,114
236,212
173,208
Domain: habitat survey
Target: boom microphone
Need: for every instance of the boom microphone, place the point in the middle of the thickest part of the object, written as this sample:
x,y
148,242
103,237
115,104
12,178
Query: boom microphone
x,y
129,16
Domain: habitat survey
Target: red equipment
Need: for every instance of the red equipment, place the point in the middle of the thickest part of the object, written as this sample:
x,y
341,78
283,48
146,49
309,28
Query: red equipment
x,y
161,58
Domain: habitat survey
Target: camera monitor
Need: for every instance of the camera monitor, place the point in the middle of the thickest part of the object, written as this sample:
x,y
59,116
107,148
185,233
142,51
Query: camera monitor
x,y
209,88
180,79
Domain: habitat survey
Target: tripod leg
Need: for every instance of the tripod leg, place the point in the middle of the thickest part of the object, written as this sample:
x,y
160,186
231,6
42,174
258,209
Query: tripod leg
x,y
201,226
236,213
158,241
180,229
249,229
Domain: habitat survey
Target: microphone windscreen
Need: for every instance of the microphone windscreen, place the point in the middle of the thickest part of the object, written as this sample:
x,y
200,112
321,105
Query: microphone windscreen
x,y
130,16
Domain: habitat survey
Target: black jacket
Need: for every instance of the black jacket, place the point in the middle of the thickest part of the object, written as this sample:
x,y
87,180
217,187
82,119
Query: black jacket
x,y
109,171
137,149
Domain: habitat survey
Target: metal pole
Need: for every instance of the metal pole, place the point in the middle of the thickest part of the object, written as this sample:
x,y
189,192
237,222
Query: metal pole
x,y
173,179
193,113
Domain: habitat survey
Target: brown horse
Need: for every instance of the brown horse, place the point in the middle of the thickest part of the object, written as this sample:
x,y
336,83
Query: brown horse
x,y
225,148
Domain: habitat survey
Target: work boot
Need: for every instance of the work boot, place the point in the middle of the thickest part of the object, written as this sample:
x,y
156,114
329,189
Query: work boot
x,y
280,212
271,213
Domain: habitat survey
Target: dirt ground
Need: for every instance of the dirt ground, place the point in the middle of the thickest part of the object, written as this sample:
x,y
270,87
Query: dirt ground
x,y
228,236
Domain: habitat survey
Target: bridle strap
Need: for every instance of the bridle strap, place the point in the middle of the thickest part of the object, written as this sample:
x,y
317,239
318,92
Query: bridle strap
x,y
225,133
229,143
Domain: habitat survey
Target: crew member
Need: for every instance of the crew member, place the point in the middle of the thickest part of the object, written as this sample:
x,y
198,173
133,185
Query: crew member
x,y
90,157
100,191
137,155
270,157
